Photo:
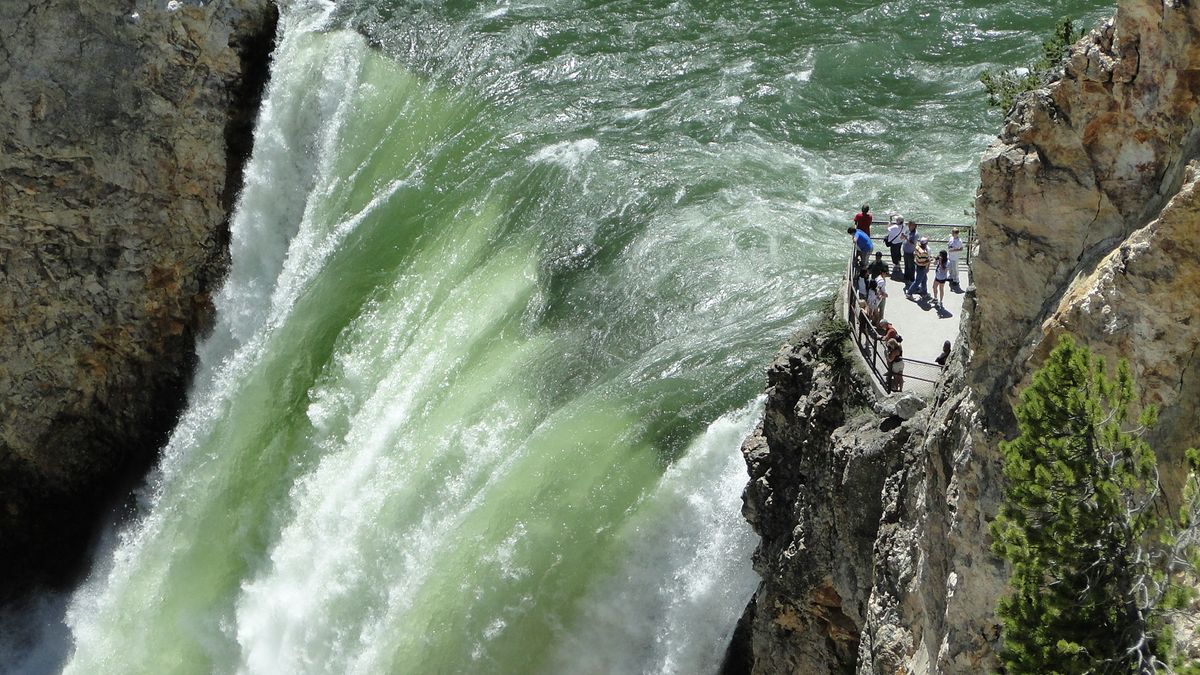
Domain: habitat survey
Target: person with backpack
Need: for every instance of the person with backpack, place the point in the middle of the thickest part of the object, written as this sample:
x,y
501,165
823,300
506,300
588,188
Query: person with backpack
x,y
894,238
921,265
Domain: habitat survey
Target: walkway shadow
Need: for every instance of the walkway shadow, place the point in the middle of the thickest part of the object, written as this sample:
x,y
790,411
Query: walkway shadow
x,y
925,302
943,313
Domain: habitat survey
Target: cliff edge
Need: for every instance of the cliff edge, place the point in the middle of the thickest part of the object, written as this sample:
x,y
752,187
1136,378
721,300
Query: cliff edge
x,y
124,127
875,552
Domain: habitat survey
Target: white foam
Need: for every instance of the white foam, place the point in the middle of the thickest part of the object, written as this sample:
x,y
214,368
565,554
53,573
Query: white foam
x,y
672,604
567,154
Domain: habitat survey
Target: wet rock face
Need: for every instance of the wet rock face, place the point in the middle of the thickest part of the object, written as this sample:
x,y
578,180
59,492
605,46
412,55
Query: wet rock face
x,y
122,130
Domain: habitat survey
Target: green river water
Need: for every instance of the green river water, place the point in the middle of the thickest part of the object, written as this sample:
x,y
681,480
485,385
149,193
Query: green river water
x,y
506,276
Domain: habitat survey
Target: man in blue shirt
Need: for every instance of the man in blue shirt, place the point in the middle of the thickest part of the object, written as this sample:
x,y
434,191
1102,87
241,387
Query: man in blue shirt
x,y
862,246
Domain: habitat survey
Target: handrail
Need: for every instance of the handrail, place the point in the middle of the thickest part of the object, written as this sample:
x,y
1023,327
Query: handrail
x,y
968,230
861,327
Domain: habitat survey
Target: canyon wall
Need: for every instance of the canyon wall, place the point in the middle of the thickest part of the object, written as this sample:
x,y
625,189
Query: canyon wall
x,y
123,127
875,550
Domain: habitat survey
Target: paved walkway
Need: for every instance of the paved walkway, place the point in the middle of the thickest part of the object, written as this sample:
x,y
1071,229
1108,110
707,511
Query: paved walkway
x,y
924,326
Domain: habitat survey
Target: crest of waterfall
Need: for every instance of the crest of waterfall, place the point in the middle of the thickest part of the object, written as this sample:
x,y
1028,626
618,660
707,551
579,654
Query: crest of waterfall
x,y
505,279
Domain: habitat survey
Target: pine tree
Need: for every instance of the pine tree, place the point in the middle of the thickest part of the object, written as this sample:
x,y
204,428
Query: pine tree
x,y
1003,86
1081,525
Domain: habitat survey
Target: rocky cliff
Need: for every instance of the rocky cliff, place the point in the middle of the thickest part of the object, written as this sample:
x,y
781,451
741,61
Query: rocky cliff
x,y
123,126
875,548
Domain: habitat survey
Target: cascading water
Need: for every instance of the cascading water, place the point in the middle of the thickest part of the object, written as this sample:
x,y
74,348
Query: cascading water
x,y
505,277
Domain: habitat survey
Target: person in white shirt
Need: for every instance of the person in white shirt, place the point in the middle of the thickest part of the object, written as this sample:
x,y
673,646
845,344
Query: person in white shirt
x,y
894,239
881,292
953,248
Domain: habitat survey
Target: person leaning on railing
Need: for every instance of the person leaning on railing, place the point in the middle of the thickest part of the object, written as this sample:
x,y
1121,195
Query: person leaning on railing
x,y
895,362
862,246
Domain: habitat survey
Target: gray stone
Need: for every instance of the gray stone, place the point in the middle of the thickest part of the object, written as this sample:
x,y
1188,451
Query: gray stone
x,y
907,406
115,189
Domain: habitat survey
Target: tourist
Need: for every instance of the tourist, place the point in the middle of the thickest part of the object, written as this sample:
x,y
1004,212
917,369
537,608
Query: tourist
x,y
893,239
878,267
872,301
887,331
881,291
940,274
862,220
941,360
921,264
895,363
862,246
860,283
953,248
909,238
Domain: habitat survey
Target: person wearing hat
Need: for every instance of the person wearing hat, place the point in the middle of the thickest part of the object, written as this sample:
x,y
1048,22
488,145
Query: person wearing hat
x,y
887,330
909,239
893,239
921,262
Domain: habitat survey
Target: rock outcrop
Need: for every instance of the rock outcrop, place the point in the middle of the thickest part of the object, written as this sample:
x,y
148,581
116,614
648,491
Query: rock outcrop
x,y
1088,217
124,127
1085,184
818,464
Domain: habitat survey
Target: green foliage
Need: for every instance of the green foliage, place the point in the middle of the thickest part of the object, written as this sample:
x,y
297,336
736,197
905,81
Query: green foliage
x,y
1003,86
1082,525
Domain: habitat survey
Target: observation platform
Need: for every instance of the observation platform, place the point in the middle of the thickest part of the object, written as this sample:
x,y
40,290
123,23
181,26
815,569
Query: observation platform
x,y
923,325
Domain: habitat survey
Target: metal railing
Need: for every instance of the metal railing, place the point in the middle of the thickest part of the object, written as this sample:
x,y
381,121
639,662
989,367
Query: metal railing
x,y
917,376
938,233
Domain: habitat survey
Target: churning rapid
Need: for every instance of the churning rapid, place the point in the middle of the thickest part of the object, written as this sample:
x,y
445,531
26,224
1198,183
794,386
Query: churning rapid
x,y
505,278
